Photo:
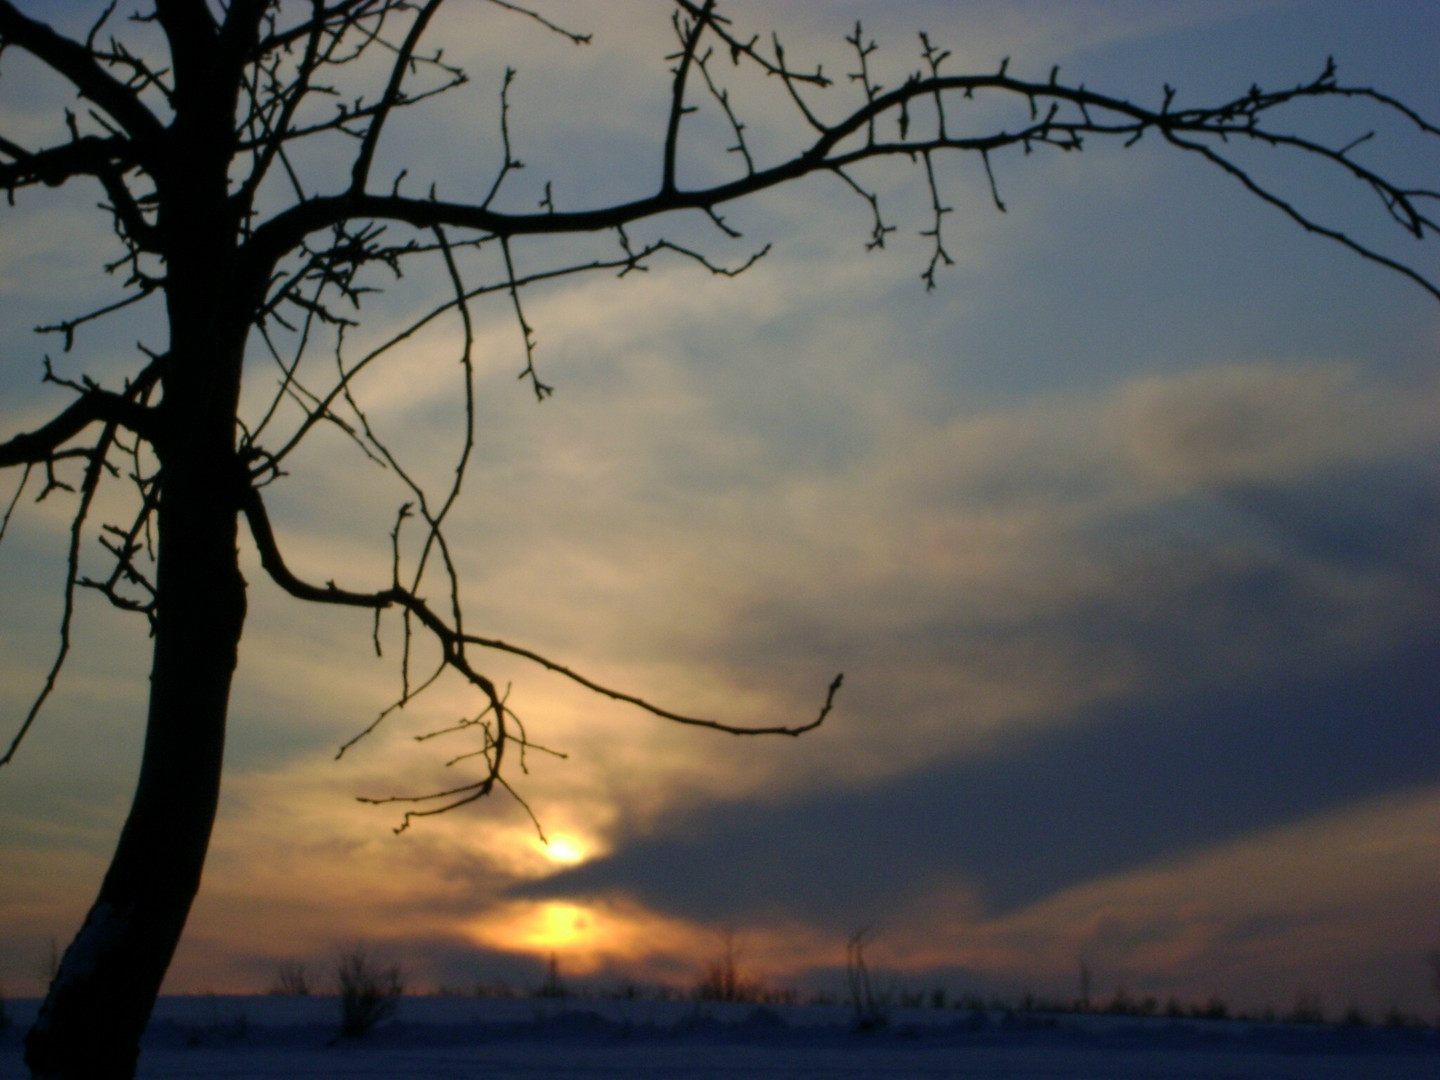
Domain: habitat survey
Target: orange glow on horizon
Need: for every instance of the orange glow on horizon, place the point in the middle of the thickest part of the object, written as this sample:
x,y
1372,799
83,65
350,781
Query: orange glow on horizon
x,y
588,935
561,927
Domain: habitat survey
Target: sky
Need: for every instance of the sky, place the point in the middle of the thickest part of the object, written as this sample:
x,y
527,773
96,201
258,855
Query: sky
x,y
1126,538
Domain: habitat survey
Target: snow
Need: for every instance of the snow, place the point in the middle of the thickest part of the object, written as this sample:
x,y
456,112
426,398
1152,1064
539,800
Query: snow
x,y
460,1038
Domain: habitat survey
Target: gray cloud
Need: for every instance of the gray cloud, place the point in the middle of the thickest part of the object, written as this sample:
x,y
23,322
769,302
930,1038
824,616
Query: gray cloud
x,y
1278,682
1113,790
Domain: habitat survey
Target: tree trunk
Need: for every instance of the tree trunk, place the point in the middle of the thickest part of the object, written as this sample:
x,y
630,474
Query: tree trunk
x,y
100,1001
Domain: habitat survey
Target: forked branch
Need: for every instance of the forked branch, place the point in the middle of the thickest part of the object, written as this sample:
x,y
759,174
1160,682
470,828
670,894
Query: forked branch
x,y
1060,117
453,643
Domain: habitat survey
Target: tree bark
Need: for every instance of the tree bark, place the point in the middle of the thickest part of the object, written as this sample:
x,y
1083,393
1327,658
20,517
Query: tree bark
x,y
100,1001
98,1006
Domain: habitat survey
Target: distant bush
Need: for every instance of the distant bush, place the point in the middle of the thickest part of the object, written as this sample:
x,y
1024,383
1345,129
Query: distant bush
x,y
1122,1004
1307,1009
1394,1018
1354,1017
291,980
1214,1009
369,993
552,987
871,1008
721,979
494,990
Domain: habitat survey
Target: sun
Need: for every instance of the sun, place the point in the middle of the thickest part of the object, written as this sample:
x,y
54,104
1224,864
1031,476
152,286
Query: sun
x,y
587,936
563,849
559,926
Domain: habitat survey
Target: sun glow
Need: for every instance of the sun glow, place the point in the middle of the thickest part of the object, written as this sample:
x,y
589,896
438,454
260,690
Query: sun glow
x,y
559,926
588,936
566,850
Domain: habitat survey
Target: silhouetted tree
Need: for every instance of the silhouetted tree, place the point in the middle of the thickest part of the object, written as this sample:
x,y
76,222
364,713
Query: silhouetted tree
x,y
720,980
871,1007
234,144
369,992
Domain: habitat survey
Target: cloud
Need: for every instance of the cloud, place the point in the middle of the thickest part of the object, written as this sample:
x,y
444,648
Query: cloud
x,y
1114,790
1151,667
1255,424
1337,903
1095,504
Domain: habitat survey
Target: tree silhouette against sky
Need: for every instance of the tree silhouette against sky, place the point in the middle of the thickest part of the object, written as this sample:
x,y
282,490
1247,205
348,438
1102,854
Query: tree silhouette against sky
x,y
235,148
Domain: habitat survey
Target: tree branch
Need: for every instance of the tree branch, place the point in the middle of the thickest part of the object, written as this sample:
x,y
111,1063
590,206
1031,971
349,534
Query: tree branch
x,y
90,155
92,406
1096,114
77,64
360,172
689,41
575,37
345,12
192,32
93,472
452,642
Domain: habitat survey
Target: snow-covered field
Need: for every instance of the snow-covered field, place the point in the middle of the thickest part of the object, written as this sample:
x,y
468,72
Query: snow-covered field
x,y
459,1038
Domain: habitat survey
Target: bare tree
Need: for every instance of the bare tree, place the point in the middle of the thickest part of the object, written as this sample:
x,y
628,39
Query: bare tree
x,y
202,125
291,979
720,980
369,992
553,986
871,1006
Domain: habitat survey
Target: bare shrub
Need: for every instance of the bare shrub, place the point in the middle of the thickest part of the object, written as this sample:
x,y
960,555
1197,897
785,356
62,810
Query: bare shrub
x,y
1307,1010
1394,1018
291,980
1082,1003
870,1007
500,989
369,992
1217,1009
552,987
721,980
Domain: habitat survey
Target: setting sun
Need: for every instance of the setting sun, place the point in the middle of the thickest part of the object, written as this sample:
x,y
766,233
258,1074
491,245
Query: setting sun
x,y
560,926
589,936
564,849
